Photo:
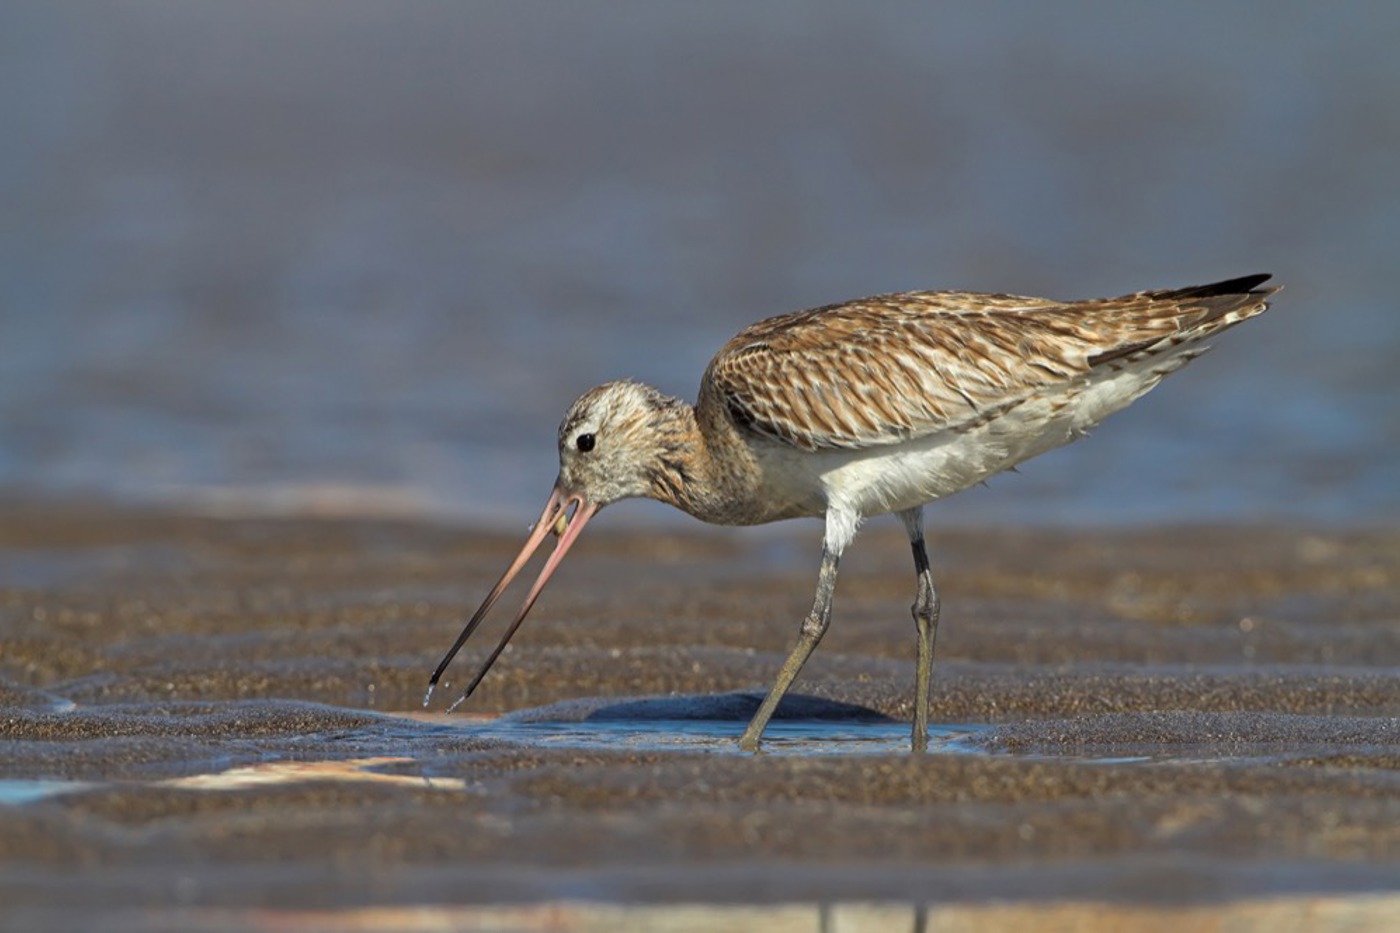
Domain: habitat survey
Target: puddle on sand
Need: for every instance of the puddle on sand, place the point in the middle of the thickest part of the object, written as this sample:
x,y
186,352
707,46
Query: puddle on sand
x,y
782,737
17,792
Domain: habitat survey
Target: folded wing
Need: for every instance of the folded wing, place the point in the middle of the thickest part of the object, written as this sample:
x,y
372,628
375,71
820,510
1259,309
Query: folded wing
x,y
882,370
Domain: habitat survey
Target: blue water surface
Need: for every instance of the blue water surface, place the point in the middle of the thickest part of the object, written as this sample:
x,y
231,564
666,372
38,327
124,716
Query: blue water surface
x,y
359,257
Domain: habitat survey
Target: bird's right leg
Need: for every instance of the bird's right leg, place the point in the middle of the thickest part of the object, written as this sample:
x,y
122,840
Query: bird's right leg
x,y
925,611
813,628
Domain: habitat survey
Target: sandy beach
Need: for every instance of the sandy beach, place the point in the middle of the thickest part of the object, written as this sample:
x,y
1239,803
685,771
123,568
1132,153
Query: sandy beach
x,y
215,723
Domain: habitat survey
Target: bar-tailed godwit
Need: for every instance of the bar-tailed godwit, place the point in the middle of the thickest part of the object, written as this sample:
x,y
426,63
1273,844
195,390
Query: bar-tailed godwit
x,y
858,409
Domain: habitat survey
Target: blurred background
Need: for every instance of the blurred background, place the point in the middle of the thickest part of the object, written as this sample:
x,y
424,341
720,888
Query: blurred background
x,y
360,256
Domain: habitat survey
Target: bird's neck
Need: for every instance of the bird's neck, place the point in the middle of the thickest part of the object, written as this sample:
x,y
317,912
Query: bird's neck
x,y
702,466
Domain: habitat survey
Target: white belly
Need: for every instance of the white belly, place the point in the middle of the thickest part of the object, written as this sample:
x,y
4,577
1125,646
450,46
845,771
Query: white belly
x,y
902,476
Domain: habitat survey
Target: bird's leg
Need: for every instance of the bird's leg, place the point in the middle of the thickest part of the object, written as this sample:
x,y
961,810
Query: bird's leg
x,y
813,628
925,611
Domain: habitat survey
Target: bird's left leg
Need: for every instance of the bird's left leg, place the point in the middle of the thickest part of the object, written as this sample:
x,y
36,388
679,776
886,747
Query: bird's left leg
x,y
813,628
925,611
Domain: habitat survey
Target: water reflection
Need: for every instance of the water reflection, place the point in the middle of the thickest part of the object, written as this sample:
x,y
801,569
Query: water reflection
x,y
783,737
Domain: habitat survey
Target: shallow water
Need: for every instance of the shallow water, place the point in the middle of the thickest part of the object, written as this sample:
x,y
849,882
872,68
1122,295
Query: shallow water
x,y
406,756
783,737
19,791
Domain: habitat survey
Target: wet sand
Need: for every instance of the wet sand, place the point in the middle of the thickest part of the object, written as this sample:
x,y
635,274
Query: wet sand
x,y
217,724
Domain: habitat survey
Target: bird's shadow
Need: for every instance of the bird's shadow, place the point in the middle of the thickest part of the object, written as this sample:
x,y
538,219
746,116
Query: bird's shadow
x,y
721,707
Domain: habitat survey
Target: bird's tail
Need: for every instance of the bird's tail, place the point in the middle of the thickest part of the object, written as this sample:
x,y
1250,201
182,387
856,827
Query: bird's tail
x,y
1194,313
1208,309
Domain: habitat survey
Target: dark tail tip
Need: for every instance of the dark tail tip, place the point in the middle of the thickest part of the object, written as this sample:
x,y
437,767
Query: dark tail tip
x,y
1240,286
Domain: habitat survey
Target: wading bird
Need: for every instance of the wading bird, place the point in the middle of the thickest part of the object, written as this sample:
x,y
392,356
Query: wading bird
x,y
873,406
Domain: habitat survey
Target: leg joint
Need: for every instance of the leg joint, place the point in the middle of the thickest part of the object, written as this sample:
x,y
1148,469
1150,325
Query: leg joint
x,y
814,626
926,603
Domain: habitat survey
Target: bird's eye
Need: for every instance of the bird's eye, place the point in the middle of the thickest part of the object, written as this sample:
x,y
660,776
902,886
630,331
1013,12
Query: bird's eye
x,y
585,442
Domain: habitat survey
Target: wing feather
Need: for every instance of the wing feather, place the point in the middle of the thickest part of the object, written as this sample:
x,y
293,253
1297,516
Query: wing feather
x,y
882,370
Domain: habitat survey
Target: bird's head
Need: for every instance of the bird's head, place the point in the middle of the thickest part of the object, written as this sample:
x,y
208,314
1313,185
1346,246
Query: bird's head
x,y
618,441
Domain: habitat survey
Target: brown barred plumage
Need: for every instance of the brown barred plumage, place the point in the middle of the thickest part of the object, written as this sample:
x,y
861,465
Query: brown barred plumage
x,y
890,368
